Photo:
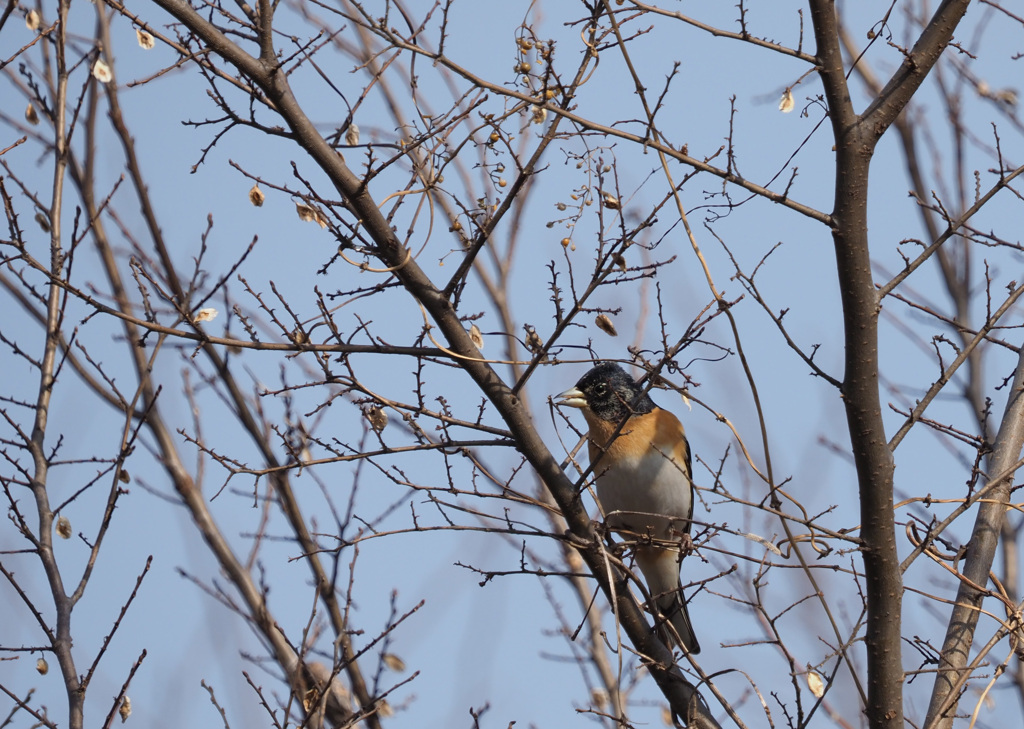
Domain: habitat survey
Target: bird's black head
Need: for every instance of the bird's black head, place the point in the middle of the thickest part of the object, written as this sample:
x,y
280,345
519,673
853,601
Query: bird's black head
x,y
610,393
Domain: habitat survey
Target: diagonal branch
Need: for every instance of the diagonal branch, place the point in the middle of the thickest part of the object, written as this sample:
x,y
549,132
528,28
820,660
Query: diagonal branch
x,y
981,550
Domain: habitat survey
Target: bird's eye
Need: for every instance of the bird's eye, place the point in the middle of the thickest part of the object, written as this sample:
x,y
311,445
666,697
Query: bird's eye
x,y
600,389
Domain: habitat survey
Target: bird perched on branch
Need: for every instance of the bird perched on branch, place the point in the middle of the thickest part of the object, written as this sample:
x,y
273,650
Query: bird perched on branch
x,y
642,464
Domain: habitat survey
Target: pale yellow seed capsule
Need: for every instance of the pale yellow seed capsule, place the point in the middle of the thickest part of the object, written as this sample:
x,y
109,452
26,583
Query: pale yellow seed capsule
x,y
42,666
256,196
605,325
101,72
31,116
787,103
476,336
64,528
352,135
377,418
815,684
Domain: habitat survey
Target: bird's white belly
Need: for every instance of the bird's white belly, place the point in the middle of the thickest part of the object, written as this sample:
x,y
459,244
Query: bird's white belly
x,y
646,496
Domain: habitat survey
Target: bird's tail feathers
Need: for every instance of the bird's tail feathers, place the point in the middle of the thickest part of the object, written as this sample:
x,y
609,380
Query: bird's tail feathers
x,y
661,572
673,611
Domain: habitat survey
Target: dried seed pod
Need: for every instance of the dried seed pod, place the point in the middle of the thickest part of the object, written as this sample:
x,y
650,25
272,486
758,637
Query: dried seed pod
x,y
308,214
815,684
256,196
125,709
101,72
787,103
377,418
605,325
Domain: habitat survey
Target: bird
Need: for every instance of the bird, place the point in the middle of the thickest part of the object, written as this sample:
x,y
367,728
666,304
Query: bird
x,y
643,470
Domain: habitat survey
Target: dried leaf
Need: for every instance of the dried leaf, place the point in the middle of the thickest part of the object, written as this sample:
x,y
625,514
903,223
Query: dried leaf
x,y
64,528
125,710
352,135
33,19
605,325
1007,96
310,698
394,662
123,476
533,341
384,708
101,72
208,314
787,103
610,201
31,116
477,336
763,542
43,221
42,666
145,38
308,214
598,698
377,417
815,684
620,261
256,196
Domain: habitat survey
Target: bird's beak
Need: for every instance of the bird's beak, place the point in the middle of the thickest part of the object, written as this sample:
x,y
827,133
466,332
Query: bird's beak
x,y
573,397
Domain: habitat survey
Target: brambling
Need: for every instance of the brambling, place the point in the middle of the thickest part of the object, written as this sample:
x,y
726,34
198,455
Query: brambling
x,y
642,465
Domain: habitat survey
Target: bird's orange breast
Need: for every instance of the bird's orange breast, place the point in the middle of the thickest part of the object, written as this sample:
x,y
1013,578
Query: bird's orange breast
x,y
657,430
